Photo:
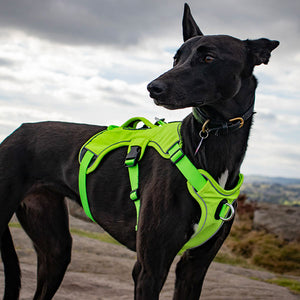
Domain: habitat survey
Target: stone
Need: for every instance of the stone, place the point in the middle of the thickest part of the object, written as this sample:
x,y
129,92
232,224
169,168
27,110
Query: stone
x,y
281,220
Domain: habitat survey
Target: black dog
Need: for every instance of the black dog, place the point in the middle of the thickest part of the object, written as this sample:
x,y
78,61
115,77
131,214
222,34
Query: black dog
x,y
39,167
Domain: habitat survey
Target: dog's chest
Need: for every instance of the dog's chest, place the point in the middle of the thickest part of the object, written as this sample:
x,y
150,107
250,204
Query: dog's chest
x,y
223,179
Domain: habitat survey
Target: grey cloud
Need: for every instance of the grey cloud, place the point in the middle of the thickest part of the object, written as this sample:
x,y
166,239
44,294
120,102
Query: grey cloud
x,y
84,22
126,22
121,100
293,156
267,116
5,62
9,78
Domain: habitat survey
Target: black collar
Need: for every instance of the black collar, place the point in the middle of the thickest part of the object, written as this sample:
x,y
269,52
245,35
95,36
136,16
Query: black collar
x,y
219,127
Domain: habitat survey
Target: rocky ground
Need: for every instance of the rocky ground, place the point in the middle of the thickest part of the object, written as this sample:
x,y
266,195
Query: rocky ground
x,y
103,271
287,224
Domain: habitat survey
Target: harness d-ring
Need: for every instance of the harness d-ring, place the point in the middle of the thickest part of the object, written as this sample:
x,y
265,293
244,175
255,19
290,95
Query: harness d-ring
x,y
231,212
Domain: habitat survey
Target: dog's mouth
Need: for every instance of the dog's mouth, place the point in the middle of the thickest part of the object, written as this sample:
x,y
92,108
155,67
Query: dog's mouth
x,y
173,106
165,105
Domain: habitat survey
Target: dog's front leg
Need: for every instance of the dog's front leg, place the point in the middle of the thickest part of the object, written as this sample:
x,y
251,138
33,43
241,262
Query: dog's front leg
x,y
192,267
152,267
149,275
159,239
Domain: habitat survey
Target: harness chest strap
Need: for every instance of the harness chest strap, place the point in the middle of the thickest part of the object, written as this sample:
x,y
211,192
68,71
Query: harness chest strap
x,y
133,172
134,194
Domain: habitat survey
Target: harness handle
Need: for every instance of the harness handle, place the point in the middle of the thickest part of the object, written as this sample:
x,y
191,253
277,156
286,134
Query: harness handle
x,y
133,122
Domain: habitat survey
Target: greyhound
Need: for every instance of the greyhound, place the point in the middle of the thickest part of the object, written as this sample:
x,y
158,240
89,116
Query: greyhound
x,y
39,168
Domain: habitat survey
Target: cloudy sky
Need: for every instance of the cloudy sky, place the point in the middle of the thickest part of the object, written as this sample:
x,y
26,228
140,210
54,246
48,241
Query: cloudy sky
x,y
90,61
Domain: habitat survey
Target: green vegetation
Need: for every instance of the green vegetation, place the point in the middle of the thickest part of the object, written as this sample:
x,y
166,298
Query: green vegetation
x,y
292,284
14,225
289,283
103,237
258,248
233,260
265,250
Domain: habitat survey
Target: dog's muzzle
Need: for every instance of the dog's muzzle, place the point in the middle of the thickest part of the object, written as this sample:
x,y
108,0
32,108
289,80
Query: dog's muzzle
x,y
157,89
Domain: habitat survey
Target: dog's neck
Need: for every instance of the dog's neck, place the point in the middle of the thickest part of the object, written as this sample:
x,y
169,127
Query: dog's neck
x,y
224,153
221,126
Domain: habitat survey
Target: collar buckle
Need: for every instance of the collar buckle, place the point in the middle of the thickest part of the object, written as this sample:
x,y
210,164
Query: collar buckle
x,y
242,122
204,126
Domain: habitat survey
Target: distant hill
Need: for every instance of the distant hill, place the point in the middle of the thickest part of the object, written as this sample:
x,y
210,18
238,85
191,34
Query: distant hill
x,y
277,190
270,180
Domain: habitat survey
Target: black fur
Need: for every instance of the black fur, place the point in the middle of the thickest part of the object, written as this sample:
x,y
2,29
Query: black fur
x,y
11,267
39,167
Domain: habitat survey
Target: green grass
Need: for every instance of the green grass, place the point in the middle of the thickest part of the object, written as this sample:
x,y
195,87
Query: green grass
x,y
292,285
227,259
14,225
103,237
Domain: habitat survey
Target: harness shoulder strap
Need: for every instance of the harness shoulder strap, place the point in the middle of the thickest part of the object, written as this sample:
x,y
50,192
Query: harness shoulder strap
x,y
82,183
185,166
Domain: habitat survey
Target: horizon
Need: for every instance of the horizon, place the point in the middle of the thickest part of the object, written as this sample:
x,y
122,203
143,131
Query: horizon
x,y
273,177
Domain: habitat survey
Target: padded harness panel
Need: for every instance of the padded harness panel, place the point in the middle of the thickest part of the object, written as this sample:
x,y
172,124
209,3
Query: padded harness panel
x,y
166,140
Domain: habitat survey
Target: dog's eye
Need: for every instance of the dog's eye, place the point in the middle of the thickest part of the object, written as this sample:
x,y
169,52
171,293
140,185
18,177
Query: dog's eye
x,y
209,59
175,60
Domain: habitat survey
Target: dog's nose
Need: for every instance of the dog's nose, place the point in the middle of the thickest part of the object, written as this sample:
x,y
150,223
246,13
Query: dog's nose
x,y
157,88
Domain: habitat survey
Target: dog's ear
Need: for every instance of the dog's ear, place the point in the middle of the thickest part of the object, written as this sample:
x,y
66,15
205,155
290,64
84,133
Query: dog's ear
x,y
259,51
189,26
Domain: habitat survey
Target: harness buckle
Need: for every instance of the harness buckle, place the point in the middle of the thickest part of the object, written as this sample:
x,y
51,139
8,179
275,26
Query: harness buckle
x,y
240,119
133,156
159,121
135,195
176,156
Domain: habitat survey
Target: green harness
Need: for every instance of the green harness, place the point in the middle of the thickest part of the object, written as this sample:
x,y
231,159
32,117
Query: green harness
x,y
215,202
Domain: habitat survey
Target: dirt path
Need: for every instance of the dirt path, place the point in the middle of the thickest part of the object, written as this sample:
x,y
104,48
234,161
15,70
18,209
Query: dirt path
x,y
103,271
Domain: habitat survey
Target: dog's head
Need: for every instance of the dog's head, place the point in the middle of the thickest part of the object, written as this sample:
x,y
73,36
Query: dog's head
x,y
208,68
